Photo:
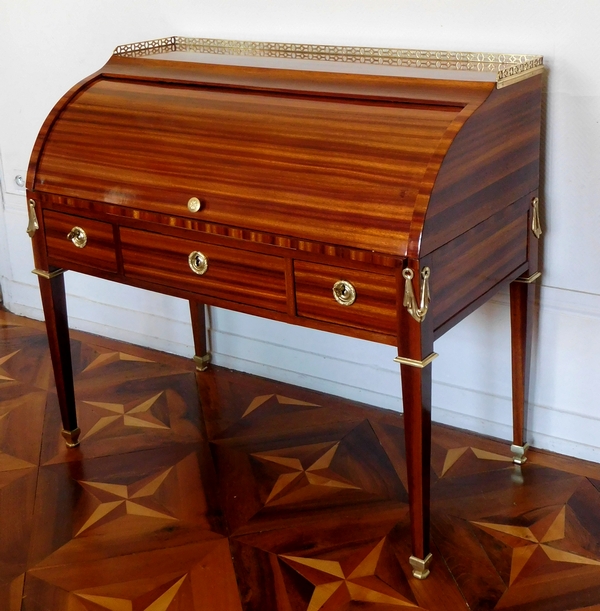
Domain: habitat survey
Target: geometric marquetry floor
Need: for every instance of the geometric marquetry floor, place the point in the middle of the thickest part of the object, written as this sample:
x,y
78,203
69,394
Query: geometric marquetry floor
x,y
222,491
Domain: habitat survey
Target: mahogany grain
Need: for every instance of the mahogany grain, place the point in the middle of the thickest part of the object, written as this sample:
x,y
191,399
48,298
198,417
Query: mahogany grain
x,y
305,177
277,498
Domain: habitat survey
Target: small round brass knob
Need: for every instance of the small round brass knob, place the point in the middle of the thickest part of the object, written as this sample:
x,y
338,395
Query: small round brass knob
x,y
344,292
198,262
194,204
78,236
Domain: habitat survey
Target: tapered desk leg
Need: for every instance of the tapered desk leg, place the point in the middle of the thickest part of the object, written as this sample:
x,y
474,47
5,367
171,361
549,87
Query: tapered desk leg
x,y
416,391
55,312
522,296
415,356
198,316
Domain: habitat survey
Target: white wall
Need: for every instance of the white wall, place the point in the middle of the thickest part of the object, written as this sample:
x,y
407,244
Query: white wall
x,y
45,47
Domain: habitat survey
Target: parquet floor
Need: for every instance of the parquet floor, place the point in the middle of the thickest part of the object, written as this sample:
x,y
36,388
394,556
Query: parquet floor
x,y
277,499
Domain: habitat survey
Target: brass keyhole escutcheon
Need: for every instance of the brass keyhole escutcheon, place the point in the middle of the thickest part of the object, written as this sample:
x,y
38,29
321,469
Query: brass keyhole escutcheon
x,y
344,292
78,236
198,262
194,204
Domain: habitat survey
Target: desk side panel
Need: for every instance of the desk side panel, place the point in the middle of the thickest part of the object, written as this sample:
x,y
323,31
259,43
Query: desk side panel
x,y
477,263
493,161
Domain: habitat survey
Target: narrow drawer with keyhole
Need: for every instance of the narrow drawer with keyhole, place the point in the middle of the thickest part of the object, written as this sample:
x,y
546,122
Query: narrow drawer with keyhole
x,y
234,275
350,297
76,242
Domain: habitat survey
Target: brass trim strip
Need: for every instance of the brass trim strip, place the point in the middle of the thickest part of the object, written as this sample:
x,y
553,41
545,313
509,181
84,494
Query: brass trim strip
x,y
530,279
48,275
420,567
519,72
202,362
518,453
509,68
414,363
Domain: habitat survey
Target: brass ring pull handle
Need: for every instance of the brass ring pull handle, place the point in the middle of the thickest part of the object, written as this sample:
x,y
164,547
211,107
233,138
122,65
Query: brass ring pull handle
x,y
344,292
194,204
78,236
198,262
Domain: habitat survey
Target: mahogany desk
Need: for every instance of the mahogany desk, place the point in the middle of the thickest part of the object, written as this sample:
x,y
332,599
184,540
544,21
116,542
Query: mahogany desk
x,y
378,193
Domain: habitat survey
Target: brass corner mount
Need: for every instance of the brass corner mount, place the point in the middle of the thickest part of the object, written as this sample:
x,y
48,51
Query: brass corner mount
x,y
202,362
420,567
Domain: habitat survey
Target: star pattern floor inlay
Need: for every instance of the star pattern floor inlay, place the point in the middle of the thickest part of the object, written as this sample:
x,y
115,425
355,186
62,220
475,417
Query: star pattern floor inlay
x,y
222,491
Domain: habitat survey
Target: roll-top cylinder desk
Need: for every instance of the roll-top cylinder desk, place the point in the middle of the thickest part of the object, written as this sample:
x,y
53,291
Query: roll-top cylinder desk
x,y
382,194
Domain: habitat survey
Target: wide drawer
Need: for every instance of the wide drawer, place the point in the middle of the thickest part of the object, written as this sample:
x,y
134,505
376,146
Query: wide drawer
x,y
233,275
373,307
74,241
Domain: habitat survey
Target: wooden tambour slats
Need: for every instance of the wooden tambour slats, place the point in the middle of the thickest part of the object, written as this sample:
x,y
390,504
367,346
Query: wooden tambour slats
x,y
296,166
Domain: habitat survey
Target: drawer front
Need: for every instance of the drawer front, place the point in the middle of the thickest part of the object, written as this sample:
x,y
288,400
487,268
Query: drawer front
x,y
235,275
91,243
374,306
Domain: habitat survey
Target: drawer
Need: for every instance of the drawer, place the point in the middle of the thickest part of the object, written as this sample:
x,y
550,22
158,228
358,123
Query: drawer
x,y
91,243
374,306
234,275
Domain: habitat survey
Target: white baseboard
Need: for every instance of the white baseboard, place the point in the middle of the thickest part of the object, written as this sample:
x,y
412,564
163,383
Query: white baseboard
x,y
471,387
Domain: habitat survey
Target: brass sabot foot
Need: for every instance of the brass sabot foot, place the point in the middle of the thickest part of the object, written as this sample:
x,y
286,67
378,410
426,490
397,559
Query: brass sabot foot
x,y
518,453
420,567
72,437
202,362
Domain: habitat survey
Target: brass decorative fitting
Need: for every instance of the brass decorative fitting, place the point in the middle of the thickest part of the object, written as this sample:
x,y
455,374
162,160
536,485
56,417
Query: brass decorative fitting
x,y
202,362
198,262
536,226
529,279
78,236
344,292
420,567
194,204
71,437
414,363
518,453
417,311
48,275
33,224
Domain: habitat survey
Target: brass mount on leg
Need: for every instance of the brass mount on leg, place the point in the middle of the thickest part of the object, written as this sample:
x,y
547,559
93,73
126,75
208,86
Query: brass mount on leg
x,y
518,453
414,363
71,437
420,567
529,279
48,275
202,362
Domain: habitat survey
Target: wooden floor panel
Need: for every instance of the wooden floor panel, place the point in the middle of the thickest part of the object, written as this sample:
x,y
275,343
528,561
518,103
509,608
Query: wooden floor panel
x,y
268,498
